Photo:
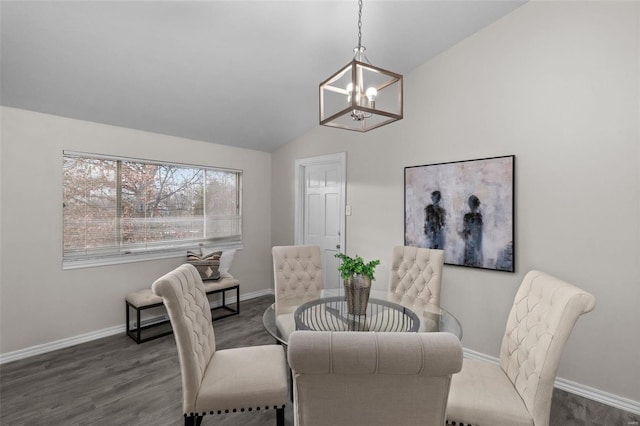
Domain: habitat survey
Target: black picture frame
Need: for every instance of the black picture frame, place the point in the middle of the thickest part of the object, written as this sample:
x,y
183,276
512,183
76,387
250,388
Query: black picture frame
x,y
466,208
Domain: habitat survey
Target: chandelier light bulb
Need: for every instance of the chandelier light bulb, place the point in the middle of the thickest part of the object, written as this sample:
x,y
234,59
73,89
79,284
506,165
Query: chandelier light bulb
x,y
349,92
372,93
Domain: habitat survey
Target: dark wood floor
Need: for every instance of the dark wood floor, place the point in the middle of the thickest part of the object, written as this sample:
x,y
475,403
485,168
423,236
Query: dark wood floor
x,y
113,381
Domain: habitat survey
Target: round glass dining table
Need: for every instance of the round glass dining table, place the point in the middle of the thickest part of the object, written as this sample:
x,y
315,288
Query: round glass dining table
x,y
429,317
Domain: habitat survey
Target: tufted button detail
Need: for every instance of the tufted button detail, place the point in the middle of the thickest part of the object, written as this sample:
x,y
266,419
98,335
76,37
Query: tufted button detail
x,y
298,273
416,273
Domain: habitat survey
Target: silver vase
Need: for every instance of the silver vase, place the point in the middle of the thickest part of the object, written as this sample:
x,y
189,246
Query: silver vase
x,y
356,290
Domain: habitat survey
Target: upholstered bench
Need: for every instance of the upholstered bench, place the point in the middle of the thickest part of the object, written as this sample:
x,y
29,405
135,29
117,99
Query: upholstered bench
x,y
145,299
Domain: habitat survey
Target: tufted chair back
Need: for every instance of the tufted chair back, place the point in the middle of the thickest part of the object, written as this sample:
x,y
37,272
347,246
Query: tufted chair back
x,y
416,274
186,302
544,311
368,378
297,273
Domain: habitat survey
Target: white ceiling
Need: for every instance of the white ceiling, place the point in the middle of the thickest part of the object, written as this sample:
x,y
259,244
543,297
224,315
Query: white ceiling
x,y
241,73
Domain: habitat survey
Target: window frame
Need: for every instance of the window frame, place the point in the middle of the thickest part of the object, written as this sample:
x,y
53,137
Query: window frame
x,y
175,249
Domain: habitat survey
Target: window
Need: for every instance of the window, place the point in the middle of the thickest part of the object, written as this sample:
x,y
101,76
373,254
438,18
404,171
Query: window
x,y
118,209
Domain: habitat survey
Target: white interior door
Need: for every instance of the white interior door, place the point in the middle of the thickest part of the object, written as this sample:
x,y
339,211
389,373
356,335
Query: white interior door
x,y
320,207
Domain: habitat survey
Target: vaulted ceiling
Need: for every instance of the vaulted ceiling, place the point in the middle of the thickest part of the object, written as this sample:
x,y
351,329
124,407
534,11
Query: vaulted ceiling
x,y
241,73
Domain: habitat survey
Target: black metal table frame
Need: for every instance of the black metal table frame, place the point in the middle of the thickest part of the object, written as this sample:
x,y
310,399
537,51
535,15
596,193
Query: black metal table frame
x,y
381,315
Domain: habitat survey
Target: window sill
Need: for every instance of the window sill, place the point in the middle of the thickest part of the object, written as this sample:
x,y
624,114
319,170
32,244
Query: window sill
x,y
138,257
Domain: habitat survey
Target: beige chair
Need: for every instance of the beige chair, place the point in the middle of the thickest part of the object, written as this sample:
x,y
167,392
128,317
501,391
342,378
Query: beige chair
x,y
519,390
231,380
416,275
297,274
367,378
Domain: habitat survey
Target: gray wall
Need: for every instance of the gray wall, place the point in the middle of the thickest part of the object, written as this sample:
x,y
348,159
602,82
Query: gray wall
x,y
558,85
41,303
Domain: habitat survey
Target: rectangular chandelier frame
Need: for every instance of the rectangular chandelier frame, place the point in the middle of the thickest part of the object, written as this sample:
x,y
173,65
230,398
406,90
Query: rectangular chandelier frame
x,y
338,106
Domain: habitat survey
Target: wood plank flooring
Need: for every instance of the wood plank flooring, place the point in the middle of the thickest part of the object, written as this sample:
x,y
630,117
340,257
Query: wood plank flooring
x,y
113,381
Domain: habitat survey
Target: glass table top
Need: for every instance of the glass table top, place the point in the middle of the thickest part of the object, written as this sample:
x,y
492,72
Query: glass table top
x,y
431,318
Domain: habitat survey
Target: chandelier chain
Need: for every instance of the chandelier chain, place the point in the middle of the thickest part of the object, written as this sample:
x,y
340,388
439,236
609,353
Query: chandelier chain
x,y
359,24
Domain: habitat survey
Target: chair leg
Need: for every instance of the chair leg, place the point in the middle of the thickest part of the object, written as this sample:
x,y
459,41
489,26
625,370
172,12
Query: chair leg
x,y
192,420
280,416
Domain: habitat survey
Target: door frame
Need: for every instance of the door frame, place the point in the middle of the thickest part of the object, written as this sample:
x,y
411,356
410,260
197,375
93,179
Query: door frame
x,y
300,166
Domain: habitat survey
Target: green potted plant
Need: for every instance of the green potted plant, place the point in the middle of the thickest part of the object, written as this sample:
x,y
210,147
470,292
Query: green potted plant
x,y
357,276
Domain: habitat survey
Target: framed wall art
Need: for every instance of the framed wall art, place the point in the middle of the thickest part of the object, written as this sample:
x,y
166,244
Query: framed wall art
x,y
465,208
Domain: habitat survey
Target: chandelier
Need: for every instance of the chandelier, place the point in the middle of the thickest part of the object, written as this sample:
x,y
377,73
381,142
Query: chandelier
x,y
360,96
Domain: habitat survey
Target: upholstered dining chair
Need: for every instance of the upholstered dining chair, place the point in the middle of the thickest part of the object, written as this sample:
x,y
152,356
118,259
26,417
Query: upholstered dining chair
x,y
297,275
519,390
416,274
218,381
368,378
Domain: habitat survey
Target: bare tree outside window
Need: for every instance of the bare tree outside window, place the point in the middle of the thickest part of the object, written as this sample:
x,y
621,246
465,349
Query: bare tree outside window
x,y
121,206
89,203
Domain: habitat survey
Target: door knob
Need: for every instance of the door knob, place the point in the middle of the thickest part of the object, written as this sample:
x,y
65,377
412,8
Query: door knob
x,y
338,246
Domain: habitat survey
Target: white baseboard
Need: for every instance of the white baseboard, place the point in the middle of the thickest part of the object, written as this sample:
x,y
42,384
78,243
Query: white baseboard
x,y
60,344
597,395
593,394
98,334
